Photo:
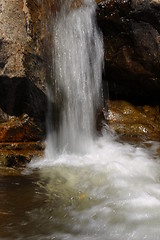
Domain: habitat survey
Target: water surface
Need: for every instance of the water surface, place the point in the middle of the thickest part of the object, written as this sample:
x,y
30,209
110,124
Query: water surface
x,y
111,193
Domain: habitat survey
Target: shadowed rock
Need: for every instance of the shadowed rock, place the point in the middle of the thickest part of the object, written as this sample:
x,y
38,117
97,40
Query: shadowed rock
x,y
132,53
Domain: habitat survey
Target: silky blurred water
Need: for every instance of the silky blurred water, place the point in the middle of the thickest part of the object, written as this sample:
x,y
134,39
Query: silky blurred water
x,y
77,74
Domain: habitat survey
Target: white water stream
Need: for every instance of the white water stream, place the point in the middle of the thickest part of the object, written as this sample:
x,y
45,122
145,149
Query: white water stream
x,y
107,189
77,72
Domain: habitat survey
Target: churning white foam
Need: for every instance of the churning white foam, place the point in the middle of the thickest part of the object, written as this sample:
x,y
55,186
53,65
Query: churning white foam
x,y
120,181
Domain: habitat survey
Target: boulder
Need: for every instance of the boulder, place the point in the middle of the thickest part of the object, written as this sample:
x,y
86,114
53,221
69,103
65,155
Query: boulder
x,y
138,122
20,140
22,129
131,31
18,154
25,62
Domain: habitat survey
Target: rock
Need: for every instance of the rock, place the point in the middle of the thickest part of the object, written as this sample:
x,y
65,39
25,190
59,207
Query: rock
x,y
22,39
24,62
137,122
20,96
20,140
3,116
18,154
20,130
132,38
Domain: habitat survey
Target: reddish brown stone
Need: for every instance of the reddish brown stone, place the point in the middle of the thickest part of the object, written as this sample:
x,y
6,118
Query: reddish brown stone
x,y
18,154
20,130
128,120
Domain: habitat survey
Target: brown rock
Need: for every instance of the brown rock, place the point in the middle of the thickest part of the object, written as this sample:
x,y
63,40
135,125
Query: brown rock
x,y
23,41
22,31
132,37
20,130
20,140
128,120
25,60
18,154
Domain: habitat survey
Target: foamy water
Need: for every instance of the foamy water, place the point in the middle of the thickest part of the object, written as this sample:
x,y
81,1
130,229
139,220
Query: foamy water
x,y
118,186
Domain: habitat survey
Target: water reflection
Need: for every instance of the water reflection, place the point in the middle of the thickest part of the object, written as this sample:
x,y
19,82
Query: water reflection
x,y
18,196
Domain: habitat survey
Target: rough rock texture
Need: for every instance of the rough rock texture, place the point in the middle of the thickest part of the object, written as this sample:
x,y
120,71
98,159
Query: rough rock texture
x,y
20,130
138,122
132,49
22,35
22,61
24,41
18,154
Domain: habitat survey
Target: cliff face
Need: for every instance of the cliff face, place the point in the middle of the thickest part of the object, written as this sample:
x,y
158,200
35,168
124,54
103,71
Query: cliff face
x,y
23,35
132,49
21,38
24,40
131,31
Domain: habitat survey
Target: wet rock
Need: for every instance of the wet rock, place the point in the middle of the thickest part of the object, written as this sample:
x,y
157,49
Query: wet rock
x,y
24,41
21,139
3,116
128,120
20,96
22,129
132,38
18,154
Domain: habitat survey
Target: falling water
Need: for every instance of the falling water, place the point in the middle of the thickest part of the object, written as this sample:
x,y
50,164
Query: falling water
x,y
77,72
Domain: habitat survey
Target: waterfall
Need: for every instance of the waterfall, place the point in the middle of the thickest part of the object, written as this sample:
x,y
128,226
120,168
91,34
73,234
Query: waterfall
x,y
108,192
77,71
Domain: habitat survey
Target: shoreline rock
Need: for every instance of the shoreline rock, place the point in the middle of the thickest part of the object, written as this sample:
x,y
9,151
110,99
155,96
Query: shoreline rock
x,y
20,153
127,120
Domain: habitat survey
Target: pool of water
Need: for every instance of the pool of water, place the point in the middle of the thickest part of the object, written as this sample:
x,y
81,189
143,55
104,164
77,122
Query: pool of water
x,y
111,193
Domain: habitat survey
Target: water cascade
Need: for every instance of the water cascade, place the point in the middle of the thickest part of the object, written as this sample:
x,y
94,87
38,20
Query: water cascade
x,y
77,73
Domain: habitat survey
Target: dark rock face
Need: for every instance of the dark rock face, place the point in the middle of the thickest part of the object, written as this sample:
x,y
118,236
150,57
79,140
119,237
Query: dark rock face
x,y
132,49
22,59
20,95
